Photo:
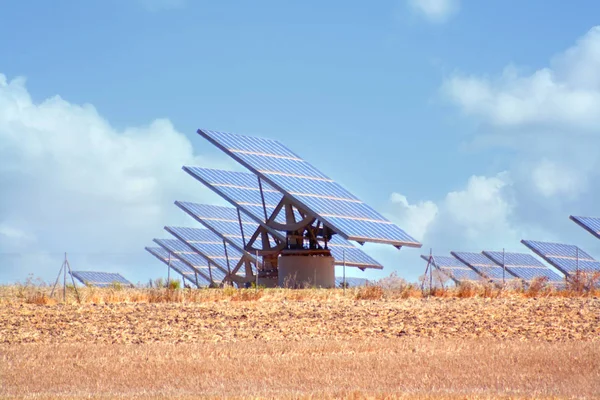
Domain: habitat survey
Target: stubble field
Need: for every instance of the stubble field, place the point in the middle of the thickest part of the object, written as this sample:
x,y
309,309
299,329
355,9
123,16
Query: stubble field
x,y
300,344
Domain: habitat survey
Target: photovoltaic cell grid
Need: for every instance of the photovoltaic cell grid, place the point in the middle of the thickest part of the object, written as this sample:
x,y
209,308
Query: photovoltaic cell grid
x,y
350,282
453,268
525,266
222,221
241,190
310,188
209,244
590,224
483,265
178,266
567,258
192,258
99,279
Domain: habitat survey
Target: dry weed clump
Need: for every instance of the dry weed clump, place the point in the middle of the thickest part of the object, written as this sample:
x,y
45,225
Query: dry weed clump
x,y
369,293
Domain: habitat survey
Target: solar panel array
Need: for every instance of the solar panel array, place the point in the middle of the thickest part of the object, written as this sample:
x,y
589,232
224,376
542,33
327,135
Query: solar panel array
x,y
454,268
99,279
178,266
241,189
311,189
208,244
524,266
483,266
350,282
567,258
590,224
198,262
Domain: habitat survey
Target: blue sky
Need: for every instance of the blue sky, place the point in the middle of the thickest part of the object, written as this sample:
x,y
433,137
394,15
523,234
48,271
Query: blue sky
x,y
403,102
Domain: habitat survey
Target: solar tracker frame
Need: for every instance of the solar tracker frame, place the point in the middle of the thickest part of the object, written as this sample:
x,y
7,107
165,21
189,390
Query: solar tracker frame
x,y
248,151
484,266
195,259
567,258
221,217
590,224
237,182
523,265
454,269
99,279
178,266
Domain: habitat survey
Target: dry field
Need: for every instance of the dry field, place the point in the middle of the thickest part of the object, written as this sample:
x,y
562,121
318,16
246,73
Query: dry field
x,y
298,344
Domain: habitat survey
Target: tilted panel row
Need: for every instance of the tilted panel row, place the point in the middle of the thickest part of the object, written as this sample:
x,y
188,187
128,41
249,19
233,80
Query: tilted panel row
x,y
178,266
99,279
242,191
568,259
295,177
525,266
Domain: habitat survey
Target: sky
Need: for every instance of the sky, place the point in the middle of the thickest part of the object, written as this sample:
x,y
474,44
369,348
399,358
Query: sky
x,y
472,125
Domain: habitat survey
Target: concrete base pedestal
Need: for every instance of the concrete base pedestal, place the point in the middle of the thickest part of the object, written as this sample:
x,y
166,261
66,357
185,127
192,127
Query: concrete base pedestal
x,y
297,271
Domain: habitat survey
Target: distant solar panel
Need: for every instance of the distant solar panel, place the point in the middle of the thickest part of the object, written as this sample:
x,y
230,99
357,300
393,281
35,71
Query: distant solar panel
x,y
241,189
190,256
350,282
454,268
525,266
99,279
567,258
483,266
590,224
178,266
308,187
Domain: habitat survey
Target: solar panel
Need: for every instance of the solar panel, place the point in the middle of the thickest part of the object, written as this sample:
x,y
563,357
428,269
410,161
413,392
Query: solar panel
x,y
223,221
525,266
590,224
310,189
350,282
241,189
178,266
190,256
99,279
483,266
567,258
453,268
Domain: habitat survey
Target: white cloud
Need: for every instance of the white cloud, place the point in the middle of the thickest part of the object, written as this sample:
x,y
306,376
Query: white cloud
x,y
567,93
552,178
74,183
414,218
435,10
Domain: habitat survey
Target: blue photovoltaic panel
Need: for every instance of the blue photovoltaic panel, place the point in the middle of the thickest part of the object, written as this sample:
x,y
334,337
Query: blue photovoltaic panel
x,y
350,282
454,268
223,221
99,279
525,266
590,224
193,258
341,250
311,189
241,189
209,244
178,266
483,265
567,258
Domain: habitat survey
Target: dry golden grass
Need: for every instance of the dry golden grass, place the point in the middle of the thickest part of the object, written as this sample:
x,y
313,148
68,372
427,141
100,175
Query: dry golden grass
x,y
367,343
312,368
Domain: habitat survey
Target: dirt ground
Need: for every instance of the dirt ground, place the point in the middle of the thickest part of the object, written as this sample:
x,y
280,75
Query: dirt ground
x,y
277,347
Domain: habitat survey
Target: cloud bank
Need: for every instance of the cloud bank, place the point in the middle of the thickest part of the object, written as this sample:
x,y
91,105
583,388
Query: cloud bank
x,y
550,118
71,182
